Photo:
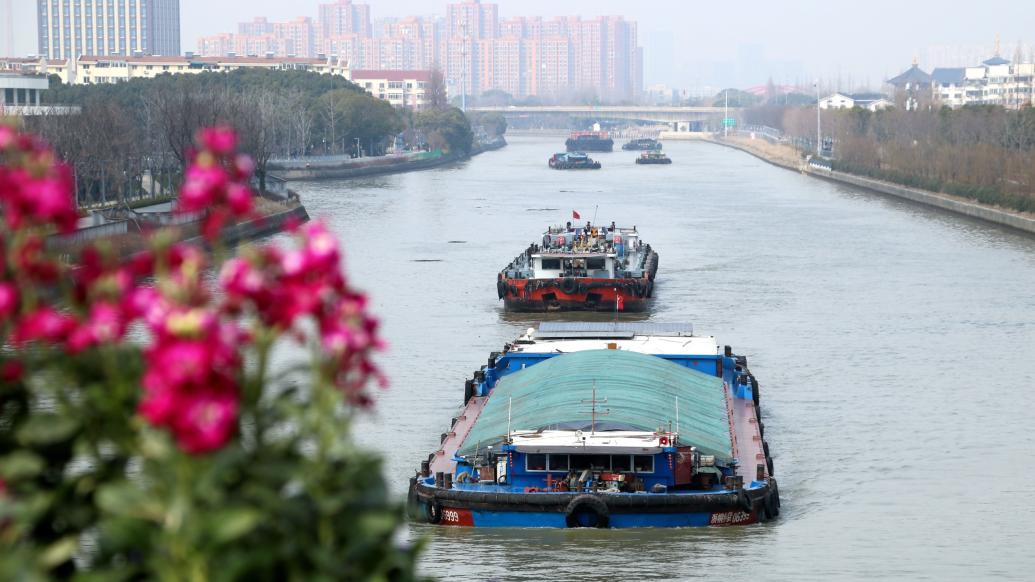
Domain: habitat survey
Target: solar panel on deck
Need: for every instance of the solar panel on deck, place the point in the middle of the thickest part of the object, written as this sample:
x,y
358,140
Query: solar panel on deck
x,y
583,329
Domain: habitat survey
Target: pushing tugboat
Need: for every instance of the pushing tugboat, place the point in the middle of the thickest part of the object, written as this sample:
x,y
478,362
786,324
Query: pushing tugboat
x,y
654,157
573,161
603,425
581,268
589,141
642,144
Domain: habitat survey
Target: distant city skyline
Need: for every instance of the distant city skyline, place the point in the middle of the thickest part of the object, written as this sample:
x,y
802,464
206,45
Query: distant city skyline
x,y
690,46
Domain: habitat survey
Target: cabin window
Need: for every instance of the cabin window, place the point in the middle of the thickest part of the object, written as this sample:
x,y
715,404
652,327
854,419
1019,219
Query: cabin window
x,y
552,264
558,463
643,463
535,462
621,463
596,264
591,462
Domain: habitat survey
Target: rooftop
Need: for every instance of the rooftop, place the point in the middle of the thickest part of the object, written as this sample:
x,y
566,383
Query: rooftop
x,y
392,75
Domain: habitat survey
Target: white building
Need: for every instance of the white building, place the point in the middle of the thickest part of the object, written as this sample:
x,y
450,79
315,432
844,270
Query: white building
x,y
868,101
400,88
71,28
20,95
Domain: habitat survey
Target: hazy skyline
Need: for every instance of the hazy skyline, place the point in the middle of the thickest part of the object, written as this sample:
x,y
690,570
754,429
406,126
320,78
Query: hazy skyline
x,y
689,46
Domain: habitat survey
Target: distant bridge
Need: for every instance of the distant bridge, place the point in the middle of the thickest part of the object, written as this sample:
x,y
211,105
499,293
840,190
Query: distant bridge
x,y
672,115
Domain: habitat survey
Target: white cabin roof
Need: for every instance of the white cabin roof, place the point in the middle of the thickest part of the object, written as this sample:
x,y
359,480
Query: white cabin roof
x,y
645,338
584,442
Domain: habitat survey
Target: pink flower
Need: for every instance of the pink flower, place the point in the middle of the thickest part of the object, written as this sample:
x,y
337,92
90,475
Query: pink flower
x,y
207,422
105,325
8,299
240,199
7,136
202,187
219,140
46,325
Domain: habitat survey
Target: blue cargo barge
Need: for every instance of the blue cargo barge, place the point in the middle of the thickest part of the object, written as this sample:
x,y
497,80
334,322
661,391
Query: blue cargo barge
x,y
603,425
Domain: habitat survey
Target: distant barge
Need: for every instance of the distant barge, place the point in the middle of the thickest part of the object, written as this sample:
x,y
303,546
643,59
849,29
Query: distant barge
x,y
573,161
603,425
589,141
653,158
642,144
578,268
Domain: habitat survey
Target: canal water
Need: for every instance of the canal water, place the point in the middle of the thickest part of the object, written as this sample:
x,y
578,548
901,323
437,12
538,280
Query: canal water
x,y
894,344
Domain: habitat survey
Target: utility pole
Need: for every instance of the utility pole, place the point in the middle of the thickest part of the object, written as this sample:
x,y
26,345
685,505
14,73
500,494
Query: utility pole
x,y
463,66
819,124
726,116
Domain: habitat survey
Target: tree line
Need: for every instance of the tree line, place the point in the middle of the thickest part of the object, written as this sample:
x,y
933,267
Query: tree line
x,y
146,126
985,153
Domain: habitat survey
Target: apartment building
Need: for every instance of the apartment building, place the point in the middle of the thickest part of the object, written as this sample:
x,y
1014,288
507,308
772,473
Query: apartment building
x,y
477,51
70,28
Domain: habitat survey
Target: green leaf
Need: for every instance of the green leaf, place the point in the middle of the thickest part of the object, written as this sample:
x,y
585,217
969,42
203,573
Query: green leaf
x,y
20,465
124,499
59,552
230,524
46,429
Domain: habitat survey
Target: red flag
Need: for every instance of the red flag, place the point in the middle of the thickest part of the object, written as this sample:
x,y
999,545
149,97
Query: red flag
x,y
619,302
575,215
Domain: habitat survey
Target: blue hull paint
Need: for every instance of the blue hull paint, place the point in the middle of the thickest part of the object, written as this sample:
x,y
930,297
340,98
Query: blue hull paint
x,y
528,519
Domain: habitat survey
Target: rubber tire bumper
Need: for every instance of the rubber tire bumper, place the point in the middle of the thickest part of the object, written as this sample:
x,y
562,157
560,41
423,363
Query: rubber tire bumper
x,y
583,503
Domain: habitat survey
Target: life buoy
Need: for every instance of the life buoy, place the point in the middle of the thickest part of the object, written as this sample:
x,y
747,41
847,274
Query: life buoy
x,y
433,511
560,241
593,508
618,239
569,285
664,441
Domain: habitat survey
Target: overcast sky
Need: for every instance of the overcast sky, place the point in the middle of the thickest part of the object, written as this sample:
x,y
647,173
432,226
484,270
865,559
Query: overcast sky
x,y
708,43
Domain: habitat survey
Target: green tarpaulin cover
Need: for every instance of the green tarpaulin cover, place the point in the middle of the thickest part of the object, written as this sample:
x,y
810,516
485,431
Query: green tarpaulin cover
x,y
640,392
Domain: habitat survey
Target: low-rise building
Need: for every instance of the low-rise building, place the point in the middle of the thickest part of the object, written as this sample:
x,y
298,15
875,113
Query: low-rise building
x,y
400,88
21,95
868,101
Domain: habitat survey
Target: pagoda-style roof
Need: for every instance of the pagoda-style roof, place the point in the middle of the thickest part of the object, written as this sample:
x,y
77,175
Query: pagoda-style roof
x,y
915,75
994,61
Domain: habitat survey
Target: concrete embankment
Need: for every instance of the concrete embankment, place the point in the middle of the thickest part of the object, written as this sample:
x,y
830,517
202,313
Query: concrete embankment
x,y
786,157
344,168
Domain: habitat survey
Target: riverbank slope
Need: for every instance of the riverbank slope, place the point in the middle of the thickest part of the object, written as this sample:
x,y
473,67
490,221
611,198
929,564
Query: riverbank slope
x,y
339,168
787,157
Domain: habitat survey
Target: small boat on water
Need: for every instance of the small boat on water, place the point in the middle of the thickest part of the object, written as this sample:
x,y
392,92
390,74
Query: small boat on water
x,y
642,144
653,157
581,268
589,141
573,161
603,425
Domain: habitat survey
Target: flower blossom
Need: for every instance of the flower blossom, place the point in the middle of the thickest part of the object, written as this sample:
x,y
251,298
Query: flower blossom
x,y
217,182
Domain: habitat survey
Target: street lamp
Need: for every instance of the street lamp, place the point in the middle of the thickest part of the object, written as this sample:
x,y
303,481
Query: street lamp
x,y
819,125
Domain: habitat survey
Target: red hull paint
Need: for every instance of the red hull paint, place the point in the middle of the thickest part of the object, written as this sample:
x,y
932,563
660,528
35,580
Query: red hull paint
x,y
457,517
581,294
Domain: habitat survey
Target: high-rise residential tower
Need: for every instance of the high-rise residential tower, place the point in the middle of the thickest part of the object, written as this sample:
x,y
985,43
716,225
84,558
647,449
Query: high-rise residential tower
x,y
70,28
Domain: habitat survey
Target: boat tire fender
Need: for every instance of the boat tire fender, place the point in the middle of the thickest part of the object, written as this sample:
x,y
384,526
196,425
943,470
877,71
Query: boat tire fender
x,y
468,390
569,285
755,393
771,510
589,503
433,511
501,288
745,501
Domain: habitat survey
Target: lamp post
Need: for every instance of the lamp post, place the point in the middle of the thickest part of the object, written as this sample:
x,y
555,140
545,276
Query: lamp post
x,y
819,125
